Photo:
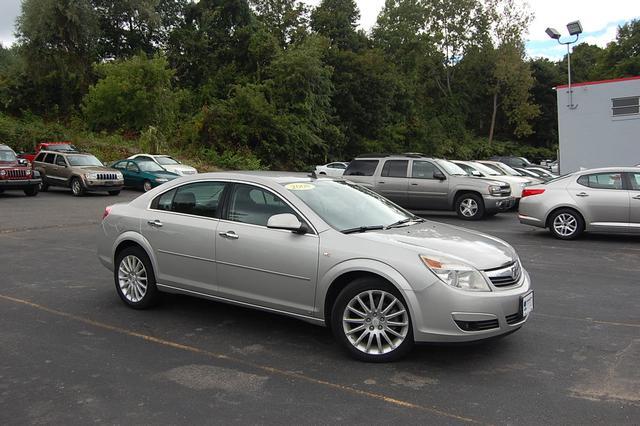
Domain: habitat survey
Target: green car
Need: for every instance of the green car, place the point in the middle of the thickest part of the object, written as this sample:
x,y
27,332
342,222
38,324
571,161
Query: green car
x,y
143,174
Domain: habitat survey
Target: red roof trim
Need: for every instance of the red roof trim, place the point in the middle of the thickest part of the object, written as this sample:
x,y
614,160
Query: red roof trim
x,y
591,83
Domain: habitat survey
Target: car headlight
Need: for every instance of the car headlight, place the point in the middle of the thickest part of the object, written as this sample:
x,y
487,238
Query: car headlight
x,y
3,172
119,176
162,180
495,190
28,172
525,184
455,273
91,175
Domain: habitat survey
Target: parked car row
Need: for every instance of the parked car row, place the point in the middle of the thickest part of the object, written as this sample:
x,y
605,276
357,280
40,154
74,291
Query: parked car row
x,y
60,164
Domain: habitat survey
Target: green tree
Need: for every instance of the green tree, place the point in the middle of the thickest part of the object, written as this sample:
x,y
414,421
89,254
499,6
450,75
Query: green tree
x,y
337,20
287,20
131,95
622,57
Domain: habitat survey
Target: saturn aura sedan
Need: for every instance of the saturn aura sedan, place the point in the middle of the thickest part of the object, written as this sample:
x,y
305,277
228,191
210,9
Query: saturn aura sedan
x,y
326,251
597,200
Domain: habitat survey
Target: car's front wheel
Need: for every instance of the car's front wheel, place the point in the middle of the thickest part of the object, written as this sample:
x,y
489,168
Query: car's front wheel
x,y
32,191
147,186
76,187
566,224
371,320
470,207
135,279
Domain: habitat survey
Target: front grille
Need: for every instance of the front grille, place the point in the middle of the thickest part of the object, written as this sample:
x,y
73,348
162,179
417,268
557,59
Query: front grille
x,y
514,318
477,325
505,276
107,176
16,174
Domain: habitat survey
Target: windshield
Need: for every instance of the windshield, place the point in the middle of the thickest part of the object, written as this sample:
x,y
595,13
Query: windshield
x,y
166,161
6,155
150,166
83,160
485,170
344,205
451,168
62,147
509,170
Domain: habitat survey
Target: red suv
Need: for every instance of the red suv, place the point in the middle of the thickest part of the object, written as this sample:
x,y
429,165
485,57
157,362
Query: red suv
x,y
49,146
16,174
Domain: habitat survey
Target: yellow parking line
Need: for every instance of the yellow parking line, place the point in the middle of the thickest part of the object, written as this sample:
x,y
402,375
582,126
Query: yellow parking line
x,y
619,324
268,369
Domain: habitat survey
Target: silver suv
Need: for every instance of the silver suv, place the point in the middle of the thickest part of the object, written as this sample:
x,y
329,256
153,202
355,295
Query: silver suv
x,y
420,183
326,251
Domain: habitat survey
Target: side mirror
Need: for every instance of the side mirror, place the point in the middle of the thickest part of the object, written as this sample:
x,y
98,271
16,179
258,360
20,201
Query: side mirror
x,y
476,173
288,222
437,174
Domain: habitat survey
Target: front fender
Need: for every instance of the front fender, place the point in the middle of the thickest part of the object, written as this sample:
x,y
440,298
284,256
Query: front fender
x,y
374,267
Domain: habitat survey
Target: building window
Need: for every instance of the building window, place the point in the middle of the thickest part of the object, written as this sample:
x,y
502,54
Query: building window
x,y
625,106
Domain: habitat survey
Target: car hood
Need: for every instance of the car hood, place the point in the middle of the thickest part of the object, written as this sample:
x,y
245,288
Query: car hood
x,y
166,175
95,169
178,167
489,181
474,248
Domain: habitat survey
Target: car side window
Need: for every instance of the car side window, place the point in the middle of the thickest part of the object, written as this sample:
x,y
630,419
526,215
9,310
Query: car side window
x,y
60,161
121,165
361,168
422,170
253,205
395,168
198,199
635,181
49,158
40,156
602,180
132,167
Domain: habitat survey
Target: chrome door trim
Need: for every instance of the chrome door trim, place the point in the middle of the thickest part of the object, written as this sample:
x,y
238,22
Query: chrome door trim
x,y
264,227
282,274
616,224
314,320
188,256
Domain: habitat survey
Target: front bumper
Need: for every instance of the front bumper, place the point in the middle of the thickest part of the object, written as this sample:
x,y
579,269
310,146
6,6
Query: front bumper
x,y
19,183
498,204
97,185
446,314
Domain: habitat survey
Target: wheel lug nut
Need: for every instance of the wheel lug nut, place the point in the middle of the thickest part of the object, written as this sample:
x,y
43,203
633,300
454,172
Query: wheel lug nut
x,y
379,327
368,319
371,328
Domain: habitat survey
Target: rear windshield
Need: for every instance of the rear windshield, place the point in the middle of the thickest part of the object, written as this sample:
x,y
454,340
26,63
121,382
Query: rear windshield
x,y
6,155
361,168
166,161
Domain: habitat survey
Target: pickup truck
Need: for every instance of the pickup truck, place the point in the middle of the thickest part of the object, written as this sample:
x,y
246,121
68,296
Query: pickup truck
x,y
15,173
422,183
49,146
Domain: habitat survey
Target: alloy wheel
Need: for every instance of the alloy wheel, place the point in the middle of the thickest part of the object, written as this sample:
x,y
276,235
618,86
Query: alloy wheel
x,y
75,187
469,207
565,224
375,322
132,278
146,186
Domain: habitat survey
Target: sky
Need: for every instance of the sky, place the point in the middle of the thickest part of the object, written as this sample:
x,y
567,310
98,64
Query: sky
x,y
599,19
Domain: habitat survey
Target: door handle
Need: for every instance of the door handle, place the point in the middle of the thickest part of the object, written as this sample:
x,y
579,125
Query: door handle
x,y
414,184
230,235
381,182
636,197
155,223
582,194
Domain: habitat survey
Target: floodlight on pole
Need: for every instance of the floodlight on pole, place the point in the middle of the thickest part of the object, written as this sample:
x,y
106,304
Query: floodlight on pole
x,y
575,29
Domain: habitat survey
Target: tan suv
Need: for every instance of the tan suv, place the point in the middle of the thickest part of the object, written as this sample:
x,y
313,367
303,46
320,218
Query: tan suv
x,y
81,172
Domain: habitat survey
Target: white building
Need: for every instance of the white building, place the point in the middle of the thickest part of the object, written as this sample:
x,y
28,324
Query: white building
x,y
599,124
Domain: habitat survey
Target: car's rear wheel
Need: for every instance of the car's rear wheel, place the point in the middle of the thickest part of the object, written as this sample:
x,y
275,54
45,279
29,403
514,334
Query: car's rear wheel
x,y
371,320
31,191
146,186
470,207
135,279
76,187
566,224
44,186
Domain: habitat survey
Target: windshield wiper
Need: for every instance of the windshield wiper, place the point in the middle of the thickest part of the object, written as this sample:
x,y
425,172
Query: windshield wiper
x,y
403,221
362,229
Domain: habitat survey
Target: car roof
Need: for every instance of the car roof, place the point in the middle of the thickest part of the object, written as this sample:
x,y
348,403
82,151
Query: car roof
x,y
48,151
3,146
393,156
610,169
260,176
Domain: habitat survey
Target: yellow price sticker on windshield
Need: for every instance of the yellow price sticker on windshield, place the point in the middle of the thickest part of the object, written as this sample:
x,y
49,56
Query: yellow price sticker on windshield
x,y
299,186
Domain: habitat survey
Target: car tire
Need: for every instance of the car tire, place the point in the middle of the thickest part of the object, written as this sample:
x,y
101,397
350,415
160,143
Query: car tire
x,y
566,224
31,191
77,188
368,342
470,206
146,186
135,279
44,186
114,193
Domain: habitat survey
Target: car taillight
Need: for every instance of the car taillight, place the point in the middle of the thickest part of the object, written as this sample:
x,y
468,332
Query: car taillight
x,y
107,210
531,191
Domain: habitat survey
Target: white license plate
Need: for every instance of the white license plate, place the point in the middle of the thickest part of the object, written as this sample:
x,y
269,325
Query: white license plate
x,y
527,304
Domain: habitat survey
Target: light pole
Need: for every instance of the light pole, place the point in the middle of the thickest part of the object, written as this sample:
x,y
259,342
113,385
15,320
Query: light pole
x,y
575,29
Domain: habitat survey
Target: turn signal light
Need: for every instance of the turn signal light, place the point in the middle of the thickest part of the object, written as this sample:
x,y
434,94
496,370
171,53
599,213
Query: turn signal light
x,y
531,191
107,210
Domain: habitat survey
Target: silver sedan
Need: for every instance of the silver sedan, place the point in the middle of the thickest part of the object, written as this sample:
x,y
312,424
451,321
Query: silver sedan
x,y
602,200
326,251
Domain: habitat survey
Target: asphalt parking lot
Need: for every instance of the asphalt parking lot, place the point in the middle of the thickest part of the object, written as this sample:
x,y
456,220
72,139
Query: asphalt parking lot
x,y
72,353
